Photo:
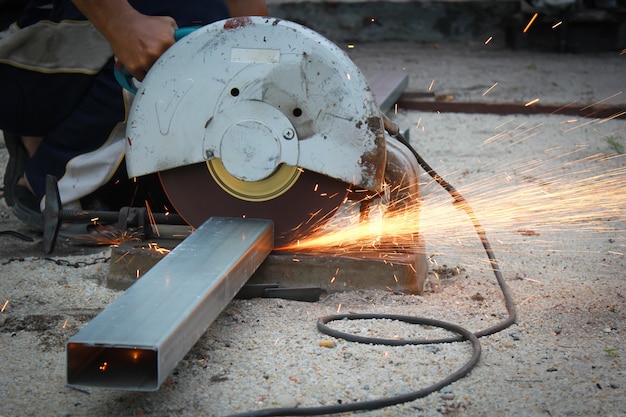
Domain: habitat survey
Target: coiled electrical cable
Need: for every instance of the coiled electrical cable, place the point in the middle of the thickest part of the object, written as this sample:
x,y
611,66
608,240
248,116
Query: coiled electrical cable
x,y
463,334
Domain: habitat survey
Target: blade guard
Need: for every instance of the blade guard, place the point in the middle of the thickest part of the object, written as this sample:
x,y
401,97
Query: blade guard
x,y
257,92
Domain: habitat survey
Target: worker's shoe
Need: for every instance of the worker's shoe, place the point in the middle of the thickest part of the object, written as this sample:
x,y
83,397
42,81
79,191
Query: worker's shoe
x,y
26,207
15,167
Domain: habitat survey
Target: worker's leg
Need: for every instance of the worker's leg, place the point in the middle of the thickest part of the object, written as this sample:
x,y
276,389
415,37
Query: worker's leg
x,y
40,87
84,131
41,91
68,152
83,151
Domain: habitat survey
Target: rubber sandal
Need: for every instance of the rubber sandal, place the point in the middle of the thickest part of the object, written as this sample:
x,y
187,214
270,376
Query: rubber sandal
x,y
15,167
26,207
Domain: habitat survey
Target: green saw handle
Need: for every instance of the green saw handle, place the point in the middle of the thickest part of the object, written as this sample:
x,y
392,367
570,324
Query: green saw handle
x,y
125,78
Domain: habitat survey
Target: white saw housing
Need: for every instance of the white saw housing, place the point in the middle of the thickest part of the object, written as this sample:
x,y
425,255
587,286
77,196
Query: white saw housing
x,y
256,93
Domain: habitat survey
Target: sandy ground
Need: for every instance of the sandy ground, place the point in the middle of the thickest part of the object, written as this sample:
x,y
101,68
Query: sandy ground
x,y
549,191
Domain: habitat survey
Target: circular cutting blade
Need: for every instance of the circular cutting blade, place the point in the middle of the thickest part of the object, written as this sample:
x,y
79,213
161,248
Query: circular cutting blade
x,y
310,202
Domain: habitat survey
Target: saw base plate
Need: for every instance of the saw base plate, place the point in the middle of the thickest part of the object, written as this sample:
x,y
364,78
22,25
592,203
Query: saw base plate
x,y
407,273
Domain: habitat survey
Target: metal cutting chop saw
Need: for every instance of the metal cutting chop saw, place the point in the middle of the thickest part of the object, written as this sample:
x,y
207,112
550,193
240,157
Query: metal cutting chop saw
x,y
246,120
262,118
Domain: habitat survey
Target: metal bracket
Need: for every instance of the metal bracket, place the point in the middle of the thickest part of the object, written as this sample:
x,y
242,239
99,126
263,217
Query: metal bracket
x,y
307,294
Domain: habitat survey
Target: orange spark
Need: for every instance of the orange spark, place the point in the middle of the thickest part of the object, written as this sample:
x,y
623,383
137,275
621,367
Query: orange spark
x,y
4,306
106,235
489,89
531,102
613,116
151,220
582,124
557,24
529,198
125,254
532,20
488,40
153,246
527,299
601,101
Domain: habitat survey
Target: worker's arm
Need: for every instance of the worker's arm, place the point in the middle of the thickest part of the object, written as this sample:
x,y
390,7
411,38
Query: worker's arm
x,y
137,40
247,7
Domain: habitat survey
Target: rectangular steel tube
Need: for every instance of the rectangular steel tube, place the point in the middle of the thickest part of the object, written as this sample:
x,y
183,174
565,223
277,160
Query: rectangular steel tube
x,y
139,339
387,87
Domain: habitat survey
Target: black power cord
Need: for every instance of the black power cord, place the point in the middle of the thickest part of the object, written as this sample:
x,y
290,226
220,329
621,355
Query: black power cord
x,y
462,203
463,334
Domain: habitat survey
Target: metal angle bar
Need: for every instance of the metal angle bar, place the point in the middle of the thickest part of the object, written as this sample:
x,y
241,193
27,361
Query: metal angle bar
x,y
139,339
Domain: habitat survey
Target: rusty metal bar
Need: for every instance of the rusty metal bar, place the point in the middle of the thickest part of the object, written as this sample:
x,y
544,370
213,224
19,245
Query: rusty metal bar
x,y
587,111
139,339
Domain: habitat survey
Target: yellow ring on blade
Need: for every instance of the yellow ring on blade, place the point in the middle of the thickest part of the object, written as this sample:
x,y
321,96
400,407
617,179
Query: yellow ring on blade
x,y
266,189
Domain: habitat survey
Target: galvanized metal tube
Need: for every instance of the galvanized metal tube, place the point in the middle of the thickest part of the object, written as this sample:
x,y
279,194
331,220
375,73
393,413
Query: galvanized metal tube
x,y
139,339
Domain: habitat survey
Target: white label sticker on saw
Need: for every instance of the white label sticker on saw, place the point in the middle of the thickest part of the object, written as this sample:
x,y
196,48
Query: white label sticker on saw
x,y
247,55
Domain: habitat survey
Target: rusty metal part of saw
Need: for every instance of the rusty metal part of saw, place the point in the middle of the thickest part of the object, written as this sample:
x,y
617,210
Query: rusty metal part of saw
x,y
257,117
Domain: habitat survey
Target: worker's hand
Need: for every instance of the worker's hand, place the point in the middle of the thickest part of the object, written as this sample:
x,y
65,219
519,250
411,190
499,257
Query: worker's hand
x,y
137,40
141,40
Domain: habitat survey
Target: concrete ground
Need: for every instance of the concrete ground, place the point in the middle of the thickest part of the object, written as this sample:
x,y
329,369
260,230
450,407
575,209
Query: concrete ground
x,y
549,191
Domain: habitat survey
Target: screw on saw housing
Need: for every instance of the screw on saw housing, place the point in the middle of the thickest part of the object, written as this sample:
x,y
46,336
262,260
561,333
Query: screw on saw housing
x,y
125,78
54,214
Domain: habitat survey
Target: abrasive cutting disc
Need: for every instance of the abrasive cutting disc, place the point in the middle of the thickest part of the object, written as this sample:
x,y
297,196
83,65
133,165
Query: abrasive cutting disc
x,y
309,202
